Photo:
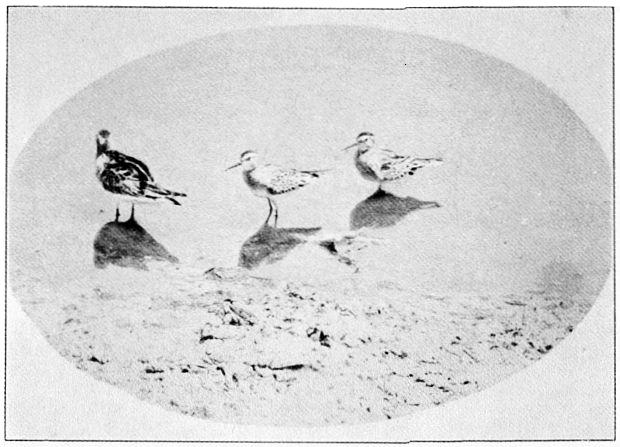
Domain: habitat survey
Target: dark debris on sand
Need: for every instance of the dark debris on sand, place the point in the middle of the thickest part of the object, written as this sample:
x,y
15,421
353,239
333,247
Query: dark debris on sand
x,y
223,344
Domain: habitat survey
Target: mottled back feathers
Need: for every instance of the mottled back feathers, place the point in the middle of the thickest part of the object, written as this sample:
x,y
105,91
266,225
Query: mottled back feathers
x,y
126,175
384,165
275,180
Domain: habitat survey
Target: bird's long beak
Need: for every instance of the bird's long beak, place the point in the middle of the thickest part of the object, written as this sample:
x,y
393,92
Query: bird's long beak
x,y
350,146
233,166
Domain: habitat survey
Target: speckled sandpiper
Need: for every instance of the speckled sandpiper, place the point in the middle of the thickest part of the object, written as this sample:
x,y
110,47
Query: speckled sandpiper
x,y
382,165
267,181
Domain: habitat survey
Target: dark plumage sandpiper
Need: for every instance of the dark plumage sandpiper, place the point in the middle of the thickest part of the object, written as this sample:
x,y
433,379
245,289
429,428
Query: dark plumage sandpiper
x,y
127,177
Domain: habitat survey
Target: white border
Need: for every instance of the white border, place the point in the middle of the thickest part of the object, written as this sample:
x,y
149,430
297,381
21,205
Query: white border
x,y
565,395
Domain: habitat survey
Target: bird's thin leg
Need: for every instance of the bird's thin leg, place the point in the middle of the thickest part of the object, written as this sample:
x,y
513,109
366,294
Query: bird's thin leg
x,y
118,214
131,217
275,222
270,211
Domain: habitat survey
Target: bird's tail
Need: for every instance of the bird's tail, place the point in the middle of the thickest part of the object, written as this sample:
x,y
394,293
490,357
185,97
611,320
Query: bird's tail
x,y
162,193
429,161
316,172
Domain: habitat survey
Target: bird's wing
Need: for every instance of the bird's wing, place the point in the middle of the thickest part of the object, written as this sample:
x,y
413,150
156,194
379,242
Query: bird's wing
x,y
121,175
135,163
279,181
397,166
380,160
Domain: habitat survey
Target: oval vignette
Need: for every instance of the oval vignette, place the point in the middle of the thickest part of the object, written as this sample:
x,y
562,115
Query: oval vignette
x,y
461,275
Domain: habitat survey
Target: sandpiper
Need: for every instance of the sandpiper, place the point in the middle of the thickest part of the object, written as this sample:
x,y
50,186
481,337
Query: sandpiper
x,y
382,165
267,181
127,177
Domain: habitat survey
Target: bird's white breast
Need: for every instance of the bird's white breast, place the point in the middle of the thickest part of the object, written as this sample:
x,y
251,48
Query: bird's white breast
x,y
101,163
258,181
368,164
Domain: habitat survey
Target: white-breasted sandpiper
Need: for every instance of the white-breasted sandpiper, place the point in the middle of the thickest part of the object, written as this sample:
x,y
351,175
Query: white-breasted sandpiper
x,y
267,181
381,165
128,178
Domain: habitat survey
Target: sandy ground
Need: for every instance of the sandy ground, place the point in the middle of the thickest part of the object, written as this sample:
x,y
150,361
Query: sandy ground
x,y
230,345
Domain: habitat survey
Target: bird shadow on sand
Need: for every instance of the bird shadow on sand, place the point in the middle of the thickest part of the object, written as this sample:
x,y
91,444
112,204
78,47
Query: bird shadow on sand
x,y
127,244
383,209
269,244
